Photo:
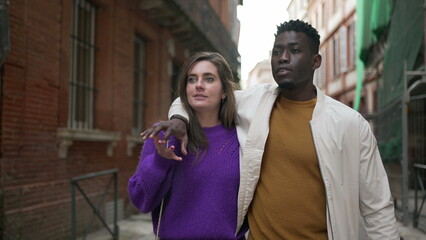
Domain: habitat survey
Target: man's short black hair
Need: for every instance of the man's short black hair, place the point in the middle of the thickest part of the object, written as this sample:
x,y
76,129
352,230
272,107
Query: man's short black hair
x,y
301,26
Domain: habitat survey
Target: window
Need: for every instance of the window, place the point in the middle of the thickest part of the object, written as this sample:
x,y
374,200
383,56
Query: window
x,y
139,86
335,5
82,91
343,48
351,45
175,76
323,15
322,71
315,20
336,58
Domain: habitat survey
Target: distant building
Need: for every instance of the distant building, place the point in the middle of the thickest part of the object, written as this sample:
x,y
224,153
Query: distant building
x,y
335,22
388,66
261,73
82,79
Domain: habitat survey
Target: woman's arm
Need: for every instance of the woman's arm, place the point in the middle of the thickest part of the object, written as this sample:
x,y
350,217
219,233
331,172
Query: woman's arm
x,y
152,179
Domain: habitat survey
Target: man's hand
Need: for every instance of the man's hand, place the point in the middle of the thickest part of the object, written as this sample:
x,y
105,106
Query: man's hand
x,y
175,127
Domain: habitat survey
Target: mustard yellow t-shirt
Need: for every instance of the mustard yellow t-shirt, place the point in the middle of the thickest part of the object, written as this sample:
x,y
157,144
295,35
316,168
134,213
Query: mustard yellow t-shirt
x,y
289,201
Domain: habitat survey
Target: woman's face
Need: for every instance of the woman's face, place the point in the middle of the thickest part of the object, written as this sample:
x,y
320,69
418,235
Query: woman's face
x,y
204,87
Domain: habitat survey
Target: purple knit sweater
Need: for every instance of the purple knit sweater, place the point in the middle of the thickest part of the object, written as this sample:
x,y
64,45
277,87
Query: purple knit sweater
x,y
200,195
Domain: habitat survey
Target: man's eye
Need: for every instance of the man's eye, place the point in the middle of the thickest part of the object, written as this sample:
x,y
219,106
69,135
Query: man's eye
x,y
295,51
276,52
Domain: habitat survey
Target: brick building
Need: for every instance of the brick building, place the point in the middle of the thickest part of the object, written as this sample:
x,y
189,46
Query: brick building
x,y
81,80
335,22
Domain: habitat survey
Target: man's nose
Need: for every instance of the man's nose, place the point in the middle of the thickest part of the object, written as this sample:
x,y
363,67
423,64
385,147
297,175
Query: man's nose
x,y
285,57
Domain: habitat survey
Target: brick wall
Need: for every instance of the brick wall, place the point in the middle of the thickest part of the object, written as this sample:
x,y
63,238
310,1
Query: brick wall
x,y
34,180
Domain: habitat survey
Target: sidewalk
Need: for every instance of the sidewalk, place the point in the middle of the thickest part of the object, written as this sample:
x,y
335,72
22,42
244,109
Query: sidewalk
x,y
410,233
136,227
139,227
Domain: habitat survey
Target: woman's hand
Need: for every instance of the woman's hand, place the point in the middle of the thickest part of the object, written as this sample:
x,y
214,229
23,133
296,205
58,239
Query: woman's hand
x,y
175,127
164,150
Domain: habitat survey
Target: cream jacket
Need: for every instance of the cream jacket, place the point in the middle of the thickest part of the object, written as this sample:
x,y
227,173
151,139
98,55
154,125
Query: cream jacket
x,y
350,164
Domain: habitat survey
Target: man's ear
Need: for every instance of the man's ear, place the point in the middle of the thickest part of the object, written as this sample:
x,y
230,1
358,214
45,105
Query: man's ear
x,y
316,61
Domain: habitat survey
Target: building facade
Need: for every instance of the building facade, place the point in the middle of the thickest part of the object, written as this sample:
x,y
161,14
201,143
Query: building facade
x,y
383,78
261,73
335,22
82,79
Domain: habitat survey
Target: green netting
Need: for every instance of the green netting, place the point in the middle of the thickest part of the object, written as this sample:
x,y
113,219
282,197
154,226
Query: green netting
x,y
380,17
361,40
373,17
364,33
404,19
403,44
389,132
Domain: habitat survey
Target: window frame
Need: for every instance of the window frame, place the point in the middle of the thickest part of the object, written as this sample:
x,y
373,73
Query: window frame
x,y
351,45
139,80
336,57
343,39
81,81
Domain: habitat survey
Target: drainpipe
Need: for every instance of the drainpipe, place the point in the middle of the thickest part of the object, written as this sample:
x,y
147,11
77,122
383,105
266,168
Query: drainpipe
x,y
4,30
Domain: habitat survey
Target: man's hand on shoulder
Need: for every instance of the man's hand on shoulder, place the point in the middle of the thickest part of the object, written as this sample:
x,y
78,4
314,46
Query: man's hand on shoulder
x,y
175,127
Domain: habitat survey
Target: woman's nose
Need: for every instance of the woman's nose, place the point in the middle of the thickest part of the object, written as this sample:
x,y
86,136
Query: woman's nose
x,y
199,84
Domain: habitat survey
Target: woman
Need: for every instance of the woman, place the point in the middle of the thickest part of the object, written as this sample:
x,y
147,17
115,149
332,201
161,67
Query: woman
x,y
200,189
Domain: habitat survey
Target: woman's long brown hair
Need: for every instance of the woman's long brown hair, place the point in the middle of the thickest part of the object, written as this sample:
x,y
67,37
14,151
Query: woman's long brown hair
x,y
197,140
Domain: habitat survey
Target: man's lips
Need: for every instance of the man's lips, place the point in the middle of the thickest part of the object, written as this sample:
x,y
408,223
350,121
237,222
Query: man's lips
x,y
283,70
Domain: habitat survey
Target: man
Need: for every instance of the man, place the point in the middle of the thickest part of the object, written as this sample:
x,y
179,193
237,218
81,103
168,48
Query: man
x,y
310,165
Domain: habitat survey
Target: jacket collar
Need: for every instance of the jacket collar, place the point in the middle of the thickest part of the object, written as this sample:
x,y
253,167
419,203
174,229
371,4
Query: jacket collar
x,y
319,106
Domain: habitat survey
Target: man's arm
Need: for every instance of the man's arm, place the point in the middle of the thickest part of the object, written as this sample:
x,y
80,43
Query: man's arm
x,y
376,203
176,126
177,109
247,103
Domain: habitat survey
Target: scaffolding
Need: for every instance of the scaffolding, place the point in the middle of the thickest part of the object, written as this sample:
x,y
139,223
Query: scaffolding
x,y
400,129
413,142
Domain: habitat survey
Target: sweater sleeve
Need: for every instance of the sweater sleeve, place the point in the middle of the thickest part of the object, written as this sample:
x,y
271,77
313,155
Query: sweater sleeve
x,y
152,179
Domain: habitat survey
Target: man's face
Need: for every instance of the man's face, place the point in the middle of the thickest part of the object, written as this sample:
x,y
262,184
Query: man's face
x,y
293,62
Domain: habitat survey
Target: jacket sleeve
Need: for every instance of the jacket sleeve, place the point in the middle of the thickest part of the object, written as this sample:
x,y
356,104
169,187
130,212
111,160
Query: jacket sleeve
x,y
244,100
376,203
152,179
177,108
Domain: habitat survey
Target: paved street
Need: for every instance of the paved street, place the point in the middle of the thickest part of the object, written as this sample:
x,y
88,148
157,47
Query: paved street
x,y
138,227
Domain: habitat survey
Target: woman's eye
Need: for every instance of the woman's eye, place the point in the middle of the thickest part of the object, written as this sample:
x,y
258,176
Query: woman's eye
x,y
209,79
192,80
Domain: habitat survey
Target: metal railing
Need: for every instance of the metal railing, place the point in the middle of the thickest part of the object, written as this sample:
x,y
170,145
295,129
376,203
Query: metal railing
x,y
418,182
96,209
